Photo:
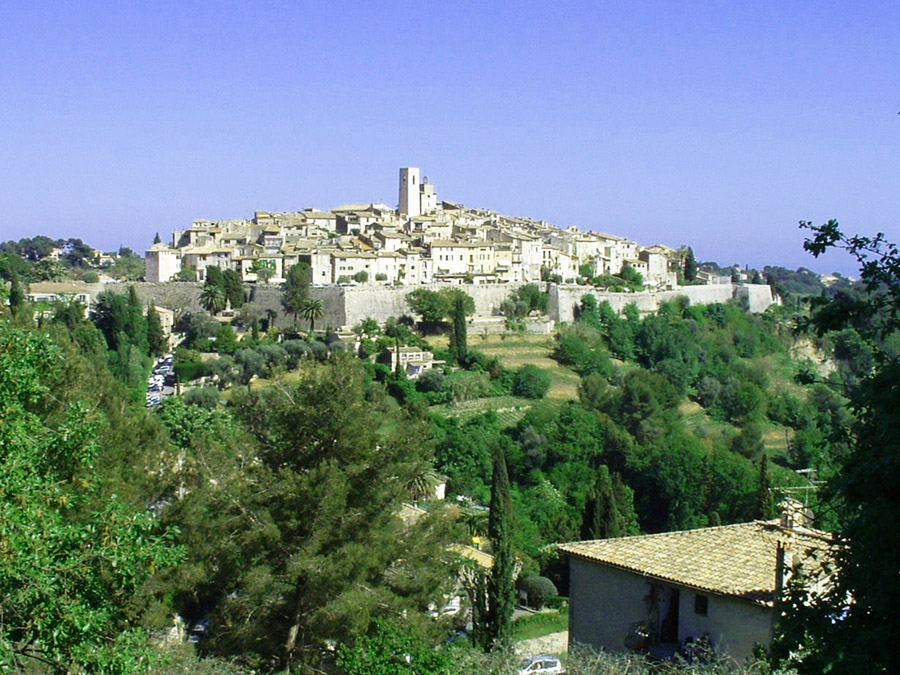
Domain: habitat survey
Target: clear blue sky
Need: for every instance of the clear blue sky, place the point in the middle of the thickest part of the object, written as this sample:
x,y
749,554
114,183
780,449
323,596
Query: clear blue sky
x,y
713,124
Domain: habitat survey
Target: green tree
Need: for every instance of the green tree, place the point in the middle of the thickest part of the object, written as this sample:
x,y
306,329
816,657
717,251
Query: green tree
x,y
764,503
531,382
214,277
632,278
501,585
226,339
263,269
73,565
312,310
851,626
234,288
393,649
250,315
70,313
212,298
16,294
155,335
690,266
186,274
459,334
311,541
431,306
128,265
110,315
609,508
49,269
295,290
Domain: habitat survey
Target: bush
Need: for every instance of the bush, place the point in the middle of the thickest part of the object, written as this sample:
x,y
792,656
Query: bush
x,y
362,276
430,381
381,276
539,590
531,382
206,396
465,386
90,277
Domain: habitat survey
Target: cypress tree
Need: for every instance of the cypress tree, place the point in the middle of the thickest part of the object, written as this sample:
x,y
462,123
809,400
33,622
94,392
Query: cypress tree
x,y
234,288
690,266
501,583
606,511
155,336
136,324
459,336
214,277
16,294
764,496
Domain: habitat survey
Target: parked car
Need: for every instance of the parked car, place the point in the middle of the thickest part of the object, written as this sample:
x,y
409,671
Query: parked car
x,y
541,665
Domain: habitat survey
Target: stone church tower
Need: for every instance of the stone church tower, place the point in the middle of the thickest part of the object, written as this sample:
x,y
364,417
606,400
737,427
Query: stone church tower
x,y
410,203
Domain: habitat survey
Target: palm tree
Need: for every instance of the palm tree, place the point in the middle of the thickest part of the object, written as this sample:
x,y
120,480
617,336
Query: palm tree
x,y
212,299
311,310
423,483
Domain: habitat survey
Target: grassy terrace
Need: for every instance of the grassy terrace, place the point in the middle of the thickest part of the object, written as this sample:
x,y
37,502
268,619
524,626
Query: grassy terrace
x,y
514,351
539,625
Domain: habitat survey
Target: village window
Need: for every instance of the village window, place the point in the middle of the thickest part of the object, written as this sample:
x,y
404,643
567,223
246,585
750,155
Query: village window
x,y
701,604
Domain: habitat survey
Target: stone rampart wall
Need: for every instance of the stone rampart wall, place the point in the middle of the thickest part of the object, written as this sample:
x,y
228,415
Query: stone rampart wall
x,y
347,306
565,298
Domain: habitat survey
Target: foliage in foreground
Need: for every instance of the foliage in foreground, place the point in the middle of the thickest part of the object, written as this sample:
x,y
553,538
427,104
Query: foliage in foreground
x,y
390,649
850,625
72,564
291,518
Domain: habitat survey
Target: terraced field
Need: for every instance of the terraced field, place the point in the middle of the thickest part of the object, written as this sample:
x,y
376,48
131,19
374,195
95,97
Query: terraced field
x,y
514,351
509,409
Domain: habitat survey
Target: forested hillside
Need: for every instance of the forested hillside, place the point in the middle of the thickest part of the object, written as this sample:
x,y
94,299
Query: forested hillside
x,y
283,508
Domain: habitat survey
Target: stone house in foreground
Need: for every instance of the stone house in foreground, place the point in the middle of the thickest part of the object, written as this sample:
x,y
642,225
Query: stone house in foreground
x,y
656,593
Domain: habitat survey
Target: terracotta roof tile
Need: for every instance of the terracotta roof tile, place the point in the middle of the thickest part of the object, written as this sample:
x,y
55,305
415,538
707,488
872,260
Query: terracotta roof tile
x,y
736,560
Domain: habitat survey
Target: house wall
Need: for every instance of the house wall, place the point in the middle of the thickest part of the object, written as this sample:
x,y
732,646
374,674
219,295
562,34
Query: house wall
x,y
605,601
603,604
735,626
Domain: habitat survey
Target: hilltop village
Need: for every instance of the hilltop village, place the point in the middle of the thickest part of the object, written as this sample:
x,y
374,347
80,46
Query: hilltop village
x,y
423,241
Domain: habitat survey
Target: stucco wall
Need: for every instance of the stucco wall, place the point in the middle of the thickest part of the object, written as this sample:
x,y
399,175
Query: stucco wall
x,y
605,601
603,604
735,626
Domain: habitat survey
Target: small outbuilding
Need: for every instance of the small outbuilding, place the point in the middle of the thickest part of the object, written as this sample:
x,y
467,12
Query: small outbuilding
x,y
668,593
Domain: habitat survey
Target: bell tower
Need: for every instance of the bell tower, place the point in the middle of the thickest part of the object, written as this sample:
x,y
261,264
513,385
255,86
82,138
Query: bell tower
x,y
410,204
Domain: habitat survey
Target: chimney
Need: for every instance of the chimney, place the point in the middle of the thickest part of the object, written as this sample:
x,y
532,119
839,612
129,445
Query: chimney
x,y
793,513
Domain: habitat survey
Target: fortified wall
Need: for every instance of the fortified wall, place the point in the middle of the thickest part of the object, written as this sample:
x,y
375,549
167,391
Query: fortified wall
x,y
565,298
347,306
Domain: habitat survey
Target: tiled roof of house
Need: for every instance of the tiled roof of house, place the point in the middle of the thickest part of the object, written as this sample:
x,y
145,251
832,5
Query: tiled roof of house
x,y
486,560
735,560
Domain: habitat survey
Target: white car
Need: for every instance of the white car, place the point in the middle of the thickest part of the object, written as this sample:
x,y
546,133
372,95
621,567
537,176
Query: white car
x,y
541,665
